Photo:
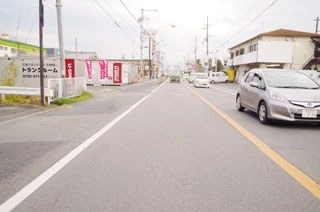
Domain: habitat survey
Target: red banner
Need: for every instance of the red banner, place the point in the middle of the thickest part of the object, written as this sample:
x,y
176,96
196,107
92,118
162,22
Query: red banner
x,y
89,68
117,73
70,68
103,69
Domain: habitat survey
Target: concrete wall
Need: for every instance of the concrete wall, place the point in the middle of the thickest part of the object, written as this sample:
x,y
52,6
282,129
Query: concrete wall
x,y
129,73
275,52
29,70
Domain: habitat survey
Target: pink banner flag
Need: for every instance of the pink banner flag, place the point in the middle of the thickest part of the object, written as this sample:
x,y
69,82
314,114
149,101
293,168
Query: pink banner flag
x,y
70,68
89,68
103,69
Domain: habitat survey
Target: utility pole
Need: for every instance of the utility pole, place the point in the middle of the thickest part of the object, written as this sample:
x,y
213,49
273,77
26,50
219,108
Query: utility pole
x,y
316,44
60,32
141,36
207,37
41,24
317,24
195,54
150,39
141,41
76,49
207,41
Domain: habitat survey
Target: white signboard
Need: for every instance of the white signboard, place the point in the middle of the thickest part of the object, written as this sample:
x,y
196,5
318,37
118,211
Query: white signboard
x,y
28,70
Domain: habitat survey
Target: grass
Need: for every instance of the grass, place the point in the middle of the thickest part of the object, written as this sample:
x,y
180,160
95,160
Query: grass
x,y
20,100
35,100
68,101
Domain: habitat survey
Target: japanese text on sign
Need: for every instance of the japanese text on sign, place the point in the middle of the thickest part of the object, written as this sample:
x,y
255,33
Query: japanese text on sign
x,y
32,70
117,71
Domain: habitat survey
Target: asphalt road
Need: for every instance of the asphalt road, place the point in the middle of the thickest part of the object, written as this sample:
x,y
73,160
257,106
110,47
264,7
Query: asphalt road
x,y
150,148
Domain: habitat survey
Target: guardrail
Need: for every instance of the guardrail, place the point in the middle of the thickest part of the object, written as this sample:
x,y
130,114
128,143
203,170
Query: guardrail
x,y
28,91
56,88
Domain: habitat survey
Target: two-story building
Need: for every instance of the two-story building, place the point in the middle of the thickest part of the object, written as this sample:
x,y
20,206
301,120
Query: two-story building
x,y
10,48
282,48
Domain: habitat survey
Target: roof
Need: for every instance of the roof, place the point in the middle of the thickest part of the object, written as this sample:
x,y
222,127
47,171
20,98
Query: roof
x,y
282,33
288,33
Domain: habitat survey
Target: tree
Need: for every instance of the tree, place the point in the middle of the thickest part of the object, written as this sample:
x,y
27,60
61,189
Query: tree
x,y
94,57
220,66
210,64
9,75
199,66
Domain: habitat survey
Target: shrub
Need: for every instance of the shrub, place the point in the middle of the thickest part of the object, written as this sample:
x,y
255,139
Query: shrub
x,y
9,75
68,101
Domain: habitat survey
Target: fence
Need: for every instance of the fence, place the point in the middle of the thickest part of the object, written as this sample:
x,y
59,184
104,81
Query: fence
x,y
66,87
57,88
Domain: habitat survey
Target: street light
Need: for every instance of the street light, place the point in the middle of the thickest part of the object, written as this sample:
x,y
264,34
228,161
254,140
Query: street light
x,y
173,26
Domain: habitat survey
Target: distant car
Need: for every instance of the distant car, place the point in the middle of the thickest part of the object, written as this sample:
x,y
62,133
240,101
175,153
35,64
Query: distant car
x,y
216,77
175,77
202,80
192,77
185,76
277,94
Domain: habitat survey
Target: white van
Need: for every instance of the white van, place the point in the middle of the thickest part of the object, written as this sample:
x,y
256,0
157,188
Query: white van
x,y
216,77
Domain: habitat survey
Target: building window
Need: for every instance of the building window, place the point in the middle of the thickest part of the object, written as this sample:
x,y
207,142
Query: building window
x,y
242,51
231,55
253,47
1,47
237,52
13,51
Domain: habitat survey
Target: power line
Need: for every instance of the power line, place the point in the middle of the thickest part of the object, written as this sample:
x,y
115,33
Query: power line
x,y
30,29
138,21
120,16
114,21
18,25
251,8
31,26
246,26
131,14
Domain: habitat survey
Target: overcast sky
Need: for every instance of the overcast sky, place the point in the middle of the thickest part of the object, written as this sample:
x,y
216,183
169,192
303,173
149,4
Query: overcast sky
x,y
110,27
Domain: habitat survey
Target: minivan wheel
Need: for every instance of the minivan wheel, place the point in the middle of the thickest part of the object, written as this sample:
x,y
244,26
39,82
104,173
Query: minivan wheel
x,y
238,103
263,113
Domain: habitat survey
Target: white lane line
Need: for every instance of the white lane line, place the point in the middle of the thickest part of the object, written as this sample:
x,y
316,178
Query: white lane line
x,y
230,91
16,199
22,117
13,114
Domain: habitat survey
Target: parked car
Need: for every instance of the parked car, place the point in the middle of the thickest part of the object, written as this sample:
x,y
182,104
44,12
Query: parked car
x,y
202,80
315,75
192,77
277,94
216,77
175,77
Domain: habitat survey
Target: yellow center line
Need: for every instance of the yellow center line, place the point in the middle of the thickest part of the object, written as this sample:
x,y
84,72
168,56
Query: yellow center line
x,y
310,184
